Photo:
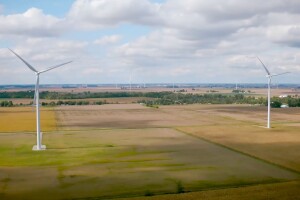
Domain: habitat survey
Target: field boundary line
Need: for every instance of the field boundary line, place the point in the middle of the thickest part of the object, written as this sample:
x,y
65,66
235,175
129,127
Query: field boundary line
x,y
238,151
110,128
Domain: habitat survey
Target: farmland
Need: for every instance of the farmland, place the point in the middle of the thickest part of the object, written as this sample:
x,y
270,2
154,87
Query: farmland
x,y
128,150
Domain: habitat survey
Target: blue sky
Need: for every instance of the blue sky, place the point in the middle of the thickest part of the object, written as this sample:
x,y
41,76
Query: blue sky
x,y
55,7
194,41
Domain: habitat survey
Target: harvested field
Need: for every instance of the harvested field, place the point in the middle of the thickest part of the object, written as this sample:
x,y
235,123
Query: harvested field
x,y
110,163
255,114
125,116
23,119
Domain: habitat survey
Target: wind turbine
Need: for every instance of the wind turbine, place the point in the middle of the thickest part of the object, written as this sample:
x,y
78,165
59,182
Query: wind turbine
x,y
269,76
38,145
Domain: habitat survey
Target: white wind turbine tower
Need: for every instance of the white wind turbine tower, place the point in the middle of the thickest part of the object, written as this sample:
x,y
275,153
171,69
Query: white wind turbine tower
x,y
38,145
269,76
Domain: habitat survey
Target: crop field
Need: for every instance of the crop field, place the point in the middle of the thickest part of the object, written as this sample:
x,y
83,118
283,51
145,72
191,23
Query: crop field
x,y
128,150
280,145
124,116
22,119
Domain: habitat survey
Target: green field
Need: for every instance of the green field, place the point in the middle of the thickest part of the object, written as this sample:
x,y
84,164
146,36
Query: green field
x,y
170,155
110,163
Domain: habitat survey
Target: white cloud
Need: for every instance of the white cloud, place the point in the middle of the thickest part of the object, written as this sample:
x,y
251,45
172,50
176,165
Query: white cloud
x,y
216,10
33,22
42,53
44,50
159,44
93,71
111,39
106,13
286,34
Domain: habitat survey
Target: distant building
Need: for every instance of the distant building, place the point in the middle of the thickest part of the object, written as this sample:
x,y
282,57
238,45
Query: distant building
x,y
284,106
283,96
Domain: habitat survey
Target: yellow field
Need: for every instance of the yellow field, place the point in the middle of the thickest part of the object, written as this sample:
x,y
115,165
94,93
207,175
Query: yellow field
x,y
17,119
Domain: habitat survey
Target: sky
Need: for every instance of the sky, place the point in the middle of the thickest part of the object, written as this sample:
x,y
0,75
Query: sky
x,y
153,41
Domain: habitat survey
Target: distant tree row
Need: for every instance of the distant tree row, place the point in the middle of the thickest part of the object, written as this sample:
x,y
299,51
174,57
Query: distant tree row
x,y
158,98
70,103
17,95
81,95
220,99
204,99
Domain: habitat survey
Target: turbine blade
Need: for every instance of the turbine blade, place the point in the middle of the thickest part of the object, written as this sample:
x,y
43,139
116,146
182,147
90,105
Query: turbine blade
x,y
26,63
280,74
56,66
264,66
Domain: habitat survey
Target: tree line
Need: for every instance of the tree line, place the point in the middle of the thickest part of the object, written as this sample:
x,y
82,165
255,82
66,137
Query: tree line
x,y
179,98
157,98
80,95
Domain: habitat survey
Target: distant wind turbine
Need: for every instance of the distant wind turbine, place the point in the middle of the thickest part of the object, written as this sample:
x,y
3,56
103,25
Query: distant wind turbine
x,y
130,80
269,76
38,145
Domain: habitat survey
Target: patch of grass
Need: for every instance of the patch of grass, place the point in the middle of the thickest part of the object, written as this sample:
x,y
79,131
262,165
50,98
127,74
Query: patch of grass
x,y
109,145
182,168
5,182
179,187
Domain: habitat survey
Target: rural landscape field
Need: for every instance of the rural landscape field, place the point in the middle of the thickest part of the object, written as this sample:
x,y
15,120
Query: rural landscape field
x,y
149,100
169,152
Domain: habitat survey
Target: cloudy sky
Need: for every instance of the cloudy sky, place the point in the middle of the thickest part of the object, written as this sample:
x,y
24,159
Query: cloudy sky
x,y
181,41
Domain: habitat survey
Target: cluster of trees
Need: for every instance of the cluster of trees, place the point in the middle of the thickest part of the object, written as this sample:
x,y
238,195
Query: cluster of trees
x,y
290,101
6,104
